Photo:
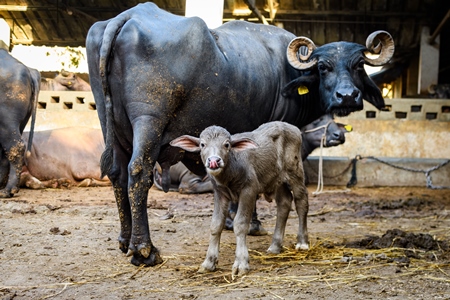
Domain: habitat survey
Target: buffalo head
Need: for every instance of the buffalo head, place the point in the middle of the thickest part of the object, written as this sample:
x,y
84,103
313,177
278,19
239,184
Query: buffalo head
x,y
336,71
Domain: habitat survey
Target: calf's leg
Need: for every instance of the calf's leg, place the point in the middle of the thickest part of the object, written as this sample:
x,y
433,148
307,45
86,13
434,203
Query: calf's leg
x,y
283,198
241,225
217,225
301,205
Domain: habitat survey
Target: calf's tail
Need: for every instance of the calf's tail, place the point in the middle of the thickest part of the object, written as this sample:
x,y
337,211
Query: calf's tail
x,y
109,37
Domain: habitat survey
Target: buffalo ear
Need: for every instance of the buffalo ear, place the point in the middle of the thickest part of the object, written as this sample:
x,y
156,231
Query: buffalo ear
x,y
305,80
372,93
243,144
187,142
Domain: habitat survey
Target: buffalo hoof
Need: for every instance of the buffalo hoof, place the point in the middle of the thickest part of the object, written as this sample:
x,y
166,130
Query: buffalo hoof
x,y
6,194
256,229
152,260
123,247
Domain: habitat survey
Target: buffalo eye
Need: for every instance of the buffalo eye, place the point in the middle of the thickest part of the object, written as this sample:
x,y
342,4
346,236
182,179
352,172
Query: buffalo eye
x,y
227,145
323,67
202,145
360,65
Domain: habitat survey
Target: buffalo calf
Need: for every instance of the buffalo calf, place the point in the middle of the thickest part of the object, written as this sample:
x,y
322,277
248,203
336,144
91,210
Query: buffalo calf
x,y
265,161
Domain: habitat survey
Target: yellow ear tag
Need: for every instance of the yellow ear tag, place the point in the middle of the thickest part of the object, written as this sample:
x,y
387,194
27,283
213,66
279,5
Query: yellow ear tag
x,y
349,128
303,90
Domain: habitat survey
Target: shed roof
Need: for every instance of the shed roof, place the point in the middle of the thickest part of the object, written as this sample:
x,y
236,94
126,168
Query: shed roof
x,y
66,22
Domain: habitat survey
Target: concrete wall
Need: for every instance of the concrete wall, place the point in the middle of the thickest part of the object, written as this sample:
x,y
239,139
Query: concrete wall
x,y
412,128
413,133
65,109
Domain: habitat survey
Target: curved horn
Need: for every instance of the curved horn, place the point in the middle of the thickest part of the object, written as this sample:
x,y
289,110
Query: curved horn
x,y
385,48
299,62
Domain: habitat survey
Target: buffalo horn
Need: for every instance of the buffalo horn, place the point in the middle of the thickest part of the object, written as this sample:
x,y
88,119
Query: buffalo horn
x,y
385,48
299,60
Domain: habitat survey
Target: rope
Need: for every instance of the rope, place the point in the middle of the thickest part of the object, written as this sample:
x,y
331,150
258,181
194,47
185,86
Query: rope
x,y
319,189
427,172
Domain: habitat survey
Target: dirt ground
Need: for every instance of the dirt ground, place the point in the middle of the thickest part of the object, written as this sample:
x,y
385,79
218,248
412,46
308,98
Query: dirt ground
x,y
62,244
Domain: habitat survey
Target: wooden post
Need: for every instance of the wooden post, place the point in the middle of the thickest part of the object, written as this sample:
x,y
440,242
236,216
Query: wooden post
x,y
428,61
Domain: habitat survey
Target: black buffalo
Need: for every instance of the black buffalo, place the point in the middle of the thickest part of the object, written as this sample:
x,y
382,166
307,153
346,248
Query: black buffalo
x,y
156,76
19,86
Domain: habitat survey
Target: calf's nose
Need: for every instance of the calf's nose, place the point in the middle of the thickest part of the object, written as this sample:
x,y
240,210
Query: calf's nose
x,y
213,162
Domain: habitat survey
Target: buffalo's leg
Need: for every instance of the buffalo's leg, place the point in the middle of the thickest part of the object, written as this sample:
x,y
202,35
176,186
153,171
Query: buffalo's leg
x,y
139,182
14,150
119,180
284,201
4,168
217,225
232,210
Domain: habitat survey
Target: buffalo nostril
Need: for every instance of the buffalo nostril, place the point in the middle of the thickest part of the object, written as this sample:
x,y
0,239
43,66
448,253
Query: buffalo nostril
x,y
347,95
355,94
336,134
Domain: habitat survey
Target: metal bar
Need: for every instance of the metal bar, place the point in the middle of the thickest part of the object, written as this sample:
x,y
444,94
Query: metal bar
x,y
439,28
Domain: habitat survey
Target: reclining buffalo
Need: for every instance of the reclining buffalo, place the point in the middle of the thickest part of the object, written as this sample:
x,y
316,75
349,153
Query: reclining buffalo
x,y
156,76
19,86
65,81
64,157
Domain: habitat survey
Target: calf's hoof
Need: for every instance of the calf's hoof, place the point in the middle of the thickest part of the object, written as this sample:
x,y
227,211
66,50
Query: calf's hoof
x,y
302,246
203,270
274,249
209,265
240,269
152,259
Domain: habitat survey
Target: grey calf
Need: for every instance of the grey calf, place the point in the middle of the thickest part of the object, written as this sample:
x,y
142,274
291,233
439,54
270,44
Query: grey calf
x,y
265,161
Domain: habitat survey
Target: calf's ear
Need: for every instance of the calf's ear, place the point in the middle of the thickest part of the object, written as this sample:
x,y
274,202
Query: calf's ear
x,y
243,144
186,142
